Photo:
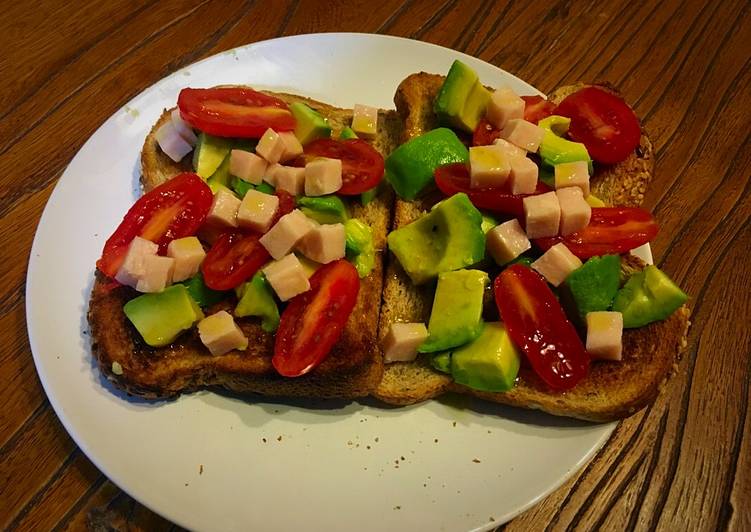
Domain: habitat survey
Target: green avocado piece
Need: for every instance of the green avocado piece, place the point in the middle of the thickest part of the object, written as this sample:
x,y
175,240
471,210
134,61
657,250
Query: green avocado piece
x,y
209,153
221,176
441,361
447,238
369,195
648,296
241,187
410,167
359,247
347,133
256,299
456,316
324,209
490,363
310,124
462,99
524,260
488,223
202,294
554,149
591,287
160,317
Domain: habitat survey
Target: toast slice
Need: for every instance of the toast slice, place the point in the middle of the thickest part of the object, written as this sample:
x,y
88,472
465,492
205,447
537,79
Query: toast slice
x,y
352,369
612,390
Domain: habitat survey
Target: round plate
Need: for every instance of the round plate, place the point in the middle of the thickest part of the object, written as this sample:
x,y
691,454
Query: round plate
x,y
212,461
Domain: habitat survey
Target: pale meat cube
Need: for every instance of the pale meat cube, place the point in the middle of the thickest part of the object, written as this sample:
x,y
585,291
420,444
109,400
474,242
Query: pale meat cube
x,y
523,175
292,146
247,166
488,167
509,149
402,341
171,142
188,254
220,334
556,264
575,211
324,243
507,241
323,176
223,212
290,179
183,128
157,274
286,233
270,146
132,268
605,335
542,214
575,174
365,121
287,277
504,105
523,134
257,211
272,171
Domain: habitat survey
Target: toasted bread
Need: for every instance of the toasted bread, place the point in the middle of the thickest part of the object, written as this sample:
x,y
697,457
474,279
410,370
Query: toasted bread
x,y
612,390
352,369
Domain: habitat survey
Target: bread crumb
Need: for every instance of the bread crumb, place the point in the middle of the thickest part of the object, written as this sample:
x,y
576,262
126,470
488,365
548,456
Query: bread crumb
x,y
117,369
397,507
279,438
436,440
475,460
200,469
263,439
454,424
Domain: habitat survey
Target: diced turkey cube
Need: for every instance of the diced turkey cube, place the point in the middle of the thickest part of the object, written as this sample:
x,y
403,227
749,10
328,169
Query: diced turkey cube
x,y
257,211
132,268
523,134
272,171
291,179
542,214
575,174
183,128
270,146
504,105
605,335
287,277
292,146
488,167
171,142
365,120
221,334
575,211
188,254
507,241
286,233
323,176
523,175
509,149
157,273
223,210
556,264
324,243
247,166
402,341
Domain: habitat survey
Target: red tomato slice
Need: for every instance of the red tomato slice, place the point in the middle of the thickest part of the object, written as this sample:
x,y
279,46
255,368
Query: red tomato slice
x,y
537,324
536,108
174,209
610,230
314,320
234,112
603,122
362,165
233,259
453,178
484,133
287,204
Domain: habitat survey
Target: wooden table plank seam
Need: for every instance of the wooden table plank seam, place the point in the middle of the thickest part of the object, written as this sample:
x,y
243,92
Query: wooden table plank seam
x,y
16,435
497,27
66,519
389,21
433,20
463,38
288,17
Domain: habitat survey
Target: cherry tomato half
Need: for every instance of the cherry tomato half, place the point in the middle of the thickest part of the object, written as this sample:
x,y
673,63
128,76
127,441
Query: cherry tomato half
x,y
610,230
233,259
287,204
314,320
174,209
453,178
234,112
537,325
536,108
362,165
603,122
484,133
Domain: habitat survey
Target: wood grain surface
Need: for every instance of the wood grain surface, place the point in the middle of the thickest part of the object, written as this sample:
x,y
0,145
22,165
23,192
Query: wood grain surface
x,y
682,464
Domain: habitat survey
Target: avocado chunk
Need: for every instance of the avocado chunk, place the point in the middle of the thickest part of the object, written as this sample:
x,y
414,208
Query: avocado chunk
x,y
441,361
209,154
591,287
456,316
347,133
447,238
488,223
310,124
160,317
648,296
369,195
221,176
359,247
241,187
490,363
554,149
462,99
324,209
256,299
410,167
202,294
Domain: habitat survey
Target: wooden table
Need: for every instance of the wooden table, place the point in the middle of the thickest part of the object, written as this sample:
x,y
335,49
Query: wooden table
x,y
684,463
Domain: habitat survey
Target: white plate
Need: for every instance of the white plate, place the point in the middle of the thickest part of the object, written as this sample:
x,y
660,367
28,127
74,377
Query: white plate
x,y
216,462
